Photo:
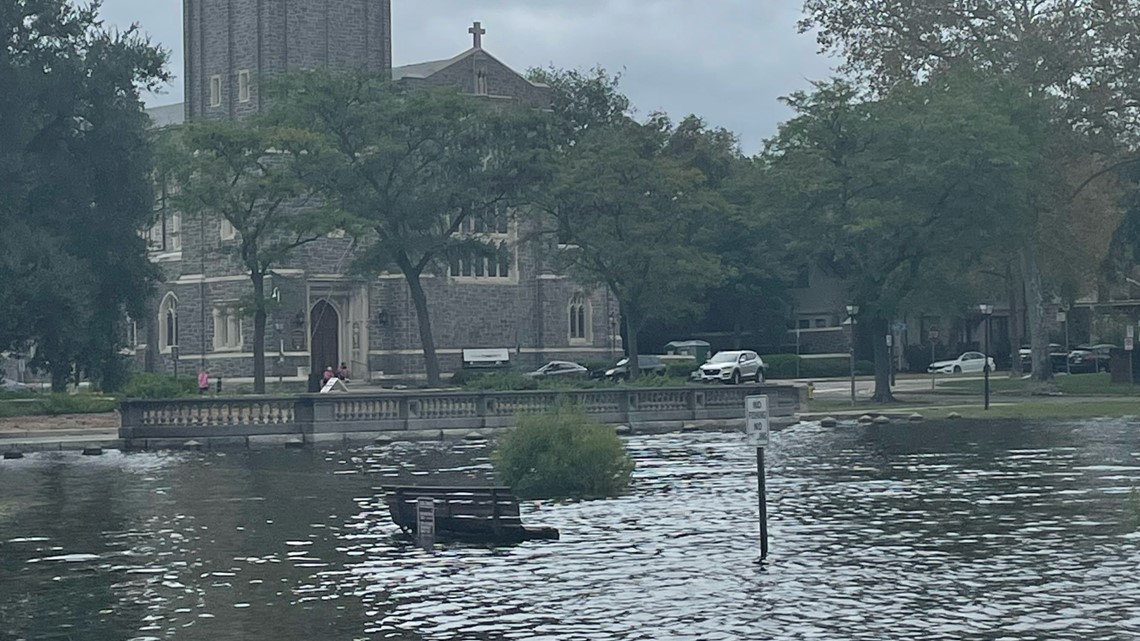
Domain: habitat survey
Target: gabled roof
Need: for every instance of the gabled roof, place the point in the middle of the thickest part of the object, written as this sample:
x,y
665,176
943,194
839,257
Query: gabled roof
x,y
422,70
425,69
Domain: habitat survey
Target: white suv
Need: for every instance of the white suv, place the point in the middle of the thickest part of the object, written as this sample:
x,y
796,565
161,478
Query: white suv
x,y
732,367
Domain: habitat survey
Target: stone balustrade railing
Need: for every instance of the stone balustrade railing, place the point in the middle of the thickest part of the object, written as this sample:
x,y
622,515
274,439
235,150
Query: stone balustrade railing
x,y
421,411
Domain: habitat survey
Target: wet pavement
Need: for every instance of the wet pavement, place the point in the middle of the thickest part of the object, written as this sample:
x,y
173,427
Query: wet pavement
x,y
931,531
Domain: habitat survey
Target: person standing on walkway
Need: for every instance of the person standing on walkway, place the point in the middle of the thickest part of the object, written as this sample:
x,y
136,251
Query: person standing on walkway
x,y
203,382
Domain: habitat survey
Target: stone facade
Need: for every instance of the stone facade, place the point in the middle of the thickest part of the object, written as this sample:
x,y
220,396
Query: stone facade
x,y
476,72
323,314
225,38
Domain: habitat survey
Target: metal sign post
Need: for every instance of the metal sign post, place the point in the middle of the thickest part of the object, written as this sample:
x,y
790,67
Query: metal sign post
x,y
933,338
891,358
756,427
1129,336
425,522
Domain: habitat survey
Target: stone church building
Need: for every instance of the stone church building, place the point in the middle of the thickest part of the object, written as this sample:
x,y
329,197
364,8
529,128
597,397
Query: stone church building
x,y
323,315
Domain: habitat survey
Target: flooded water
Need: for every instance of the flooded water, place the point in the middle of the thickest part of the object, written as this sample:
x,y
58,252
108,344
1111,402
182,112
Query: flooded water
x,y
953,531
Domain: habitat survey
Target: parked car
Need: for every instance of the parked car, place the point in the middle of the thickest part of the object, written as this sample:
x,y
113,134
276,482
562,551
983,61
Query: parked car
x,y
1088,359
559,369
646,363
1057,357
732,367
9,385
967,362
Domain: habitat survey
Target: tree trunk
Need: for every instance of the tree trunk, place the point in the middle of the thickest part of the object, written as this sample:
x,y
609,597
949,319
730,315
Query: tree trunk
x,y
427,340
60,374
1035,309
737,339
631,345
880,328
259,315
1014,289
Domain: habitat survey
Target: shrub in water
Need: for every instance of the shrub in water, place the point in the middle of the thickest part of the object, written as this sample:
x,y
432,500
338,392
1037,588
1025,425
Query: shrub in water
x,y
562,454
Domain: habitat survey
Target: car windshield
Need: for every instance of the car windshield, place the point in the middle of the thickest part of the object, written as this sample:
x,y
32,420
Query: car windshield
x,y
724,357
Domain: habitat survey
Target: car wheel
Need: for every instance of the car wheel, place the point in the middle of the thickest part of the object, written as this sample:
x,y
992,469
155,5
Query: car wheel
x,y
957,369
759,376
736,377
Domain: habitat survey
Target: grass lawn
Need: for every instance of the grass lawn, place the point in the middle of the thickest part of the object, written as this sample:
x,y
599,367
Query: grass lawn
x,y
56,404
1073,385
1008,406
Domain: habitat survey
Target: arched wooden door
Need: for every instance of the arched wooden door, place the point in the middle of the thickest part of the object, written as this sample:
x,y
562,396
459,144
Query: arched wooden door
x,y
324,343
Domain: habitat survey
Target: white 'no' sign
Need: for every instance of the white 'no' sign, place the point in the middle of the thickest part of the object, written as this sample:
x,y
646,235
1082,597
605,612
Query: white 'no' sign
x,y
756,420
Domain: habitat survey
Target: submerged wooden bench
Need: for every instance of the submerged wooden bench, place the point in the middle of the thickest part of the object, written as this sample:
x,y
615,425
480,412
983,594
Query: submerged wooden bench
x,y
474,514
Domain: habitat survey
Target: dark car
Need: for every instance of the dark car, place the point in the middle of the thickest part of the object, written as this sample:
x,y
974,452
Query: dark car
x,y
647,365
1057,357
1089,359
560,370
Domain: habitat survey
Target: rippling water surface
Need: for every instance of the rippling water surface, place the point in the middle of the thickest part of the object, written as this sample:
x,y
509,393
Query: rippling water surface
x,y
954,531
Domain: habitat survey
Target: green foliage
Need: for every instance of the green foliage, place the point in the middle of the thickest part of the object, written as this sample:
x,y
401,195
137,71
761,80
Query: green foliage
x,y
495,380
1081,78
781,366
583,100
513,380
75,179
631,213
784,366
250,174
562,454
885,188
680,369
147,385
58,404
413,169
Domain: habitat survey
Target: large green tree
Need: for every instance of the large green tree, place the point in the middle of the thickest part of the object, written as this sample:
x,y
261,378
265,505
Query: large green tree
x,y
75,185
1080,56
631,217
253,176
894,193
751,239
412,168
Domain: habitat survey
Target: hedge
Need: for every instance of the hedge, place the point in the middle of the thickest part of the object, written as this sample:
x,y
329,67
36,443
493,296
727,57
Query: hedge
x,y
784,366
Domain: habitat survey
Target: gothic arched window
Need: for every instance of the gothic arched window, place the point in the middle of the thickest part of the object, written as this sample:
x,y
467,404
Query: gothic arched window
x,y
168,322
579,311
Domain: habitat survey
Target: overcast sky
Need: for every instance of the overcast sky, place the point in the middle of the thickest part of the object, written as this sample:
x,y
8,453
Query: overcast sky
x,y
725,60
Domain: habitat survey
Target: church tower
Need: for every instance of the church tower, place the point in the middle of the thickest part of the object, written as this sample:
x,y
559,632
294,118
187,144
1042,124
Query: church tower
x,y
231,44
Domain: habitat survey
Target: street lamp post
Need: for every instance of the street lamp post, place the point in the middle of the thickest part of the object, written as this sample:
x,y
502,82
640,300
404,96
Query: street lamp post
x,y
852,312
1063,318
987,312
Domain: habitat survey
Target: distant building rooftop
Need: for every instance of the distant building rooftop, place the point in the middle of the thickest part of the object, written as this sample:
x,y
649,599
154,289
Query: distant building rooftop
x,y
167,115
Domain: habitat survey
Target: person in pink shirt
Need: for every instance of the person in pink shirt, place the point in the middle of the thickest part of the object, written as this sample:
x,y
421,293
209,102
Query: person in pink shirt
x,y
203,381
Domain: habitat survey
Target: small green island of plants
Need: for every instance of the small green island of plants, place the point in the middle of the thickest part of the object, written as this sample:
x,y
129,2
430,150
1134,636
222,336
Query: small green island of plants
x,y
562,454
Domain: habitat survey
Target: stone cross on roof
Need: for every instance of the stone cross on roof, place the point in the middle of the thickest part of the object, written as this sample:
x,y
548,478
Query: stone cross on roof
x,y
478,31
